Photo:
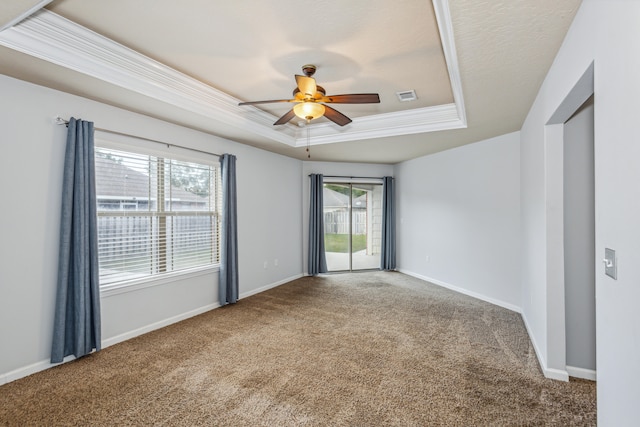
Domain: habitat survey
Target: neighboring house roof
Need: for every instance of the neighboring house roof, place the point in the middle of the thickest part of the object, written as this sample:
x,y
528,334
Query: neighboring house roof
x,y
333,200
115,180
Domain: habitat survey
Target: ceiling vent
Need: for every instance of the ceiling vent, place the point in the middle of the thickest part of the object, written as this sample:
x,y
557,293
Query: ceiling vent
x,y
407,95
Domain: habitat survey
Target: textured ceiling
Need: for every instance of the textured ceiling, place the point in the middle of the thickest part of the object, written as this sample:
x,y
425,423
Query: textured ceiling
x,y
252,49
11,11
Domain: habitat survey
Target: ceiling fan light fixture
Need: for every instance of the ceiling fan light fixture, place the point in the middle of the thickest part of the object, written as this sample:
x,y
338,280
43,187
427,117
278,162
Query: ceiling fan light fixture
x,y
310,99
309,110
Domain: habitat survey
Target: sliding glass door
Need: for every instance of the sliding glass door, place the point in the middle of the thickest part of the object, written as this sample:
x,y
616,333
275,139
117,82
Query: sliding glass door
x,y
352,225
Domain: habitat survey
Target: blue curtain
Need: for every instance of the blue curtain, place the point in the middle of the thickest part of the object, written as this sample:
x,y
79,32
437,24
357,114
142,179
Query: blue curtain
x,y
76,326
317,259
388,258
228,286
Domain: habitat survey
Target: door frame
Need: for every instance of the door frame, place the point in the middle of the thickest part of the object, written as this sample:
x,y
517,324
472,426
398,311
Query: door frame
x,y
350,182
555,358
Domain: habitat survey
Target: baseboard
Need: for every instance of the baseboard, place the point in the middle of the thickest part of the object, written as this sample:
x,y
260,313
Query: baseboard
x,y
157,325
270,286
585,374
46,364
25,371
184,316
554,374
463,291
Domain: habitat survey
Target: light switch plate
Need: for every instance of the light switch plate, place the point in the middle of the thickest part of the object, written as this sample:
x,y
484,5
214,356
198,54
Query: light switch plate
x,y
610,263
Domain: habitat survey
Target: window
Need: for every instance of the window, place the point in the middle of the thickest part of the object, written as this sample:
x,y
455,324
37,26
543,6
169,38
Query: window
x,y
156,215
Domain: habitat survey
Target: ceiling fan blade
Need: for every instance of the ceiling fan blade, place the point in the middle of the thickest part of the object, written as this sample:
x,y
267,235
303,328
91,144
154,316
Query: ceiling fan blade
x,y
307,85
354,98
336,116
284,119
266,102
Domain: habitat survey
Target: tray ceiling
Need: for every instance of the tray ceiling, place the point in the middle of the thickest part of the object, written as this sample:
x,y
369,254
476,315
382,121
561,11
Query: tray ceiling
x,y
474,65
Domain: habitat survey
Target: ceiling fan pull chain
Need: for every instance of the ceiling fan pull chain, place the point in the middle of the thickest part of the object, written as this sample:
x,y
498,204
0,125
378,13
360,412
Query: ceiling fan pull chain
x,y
308,140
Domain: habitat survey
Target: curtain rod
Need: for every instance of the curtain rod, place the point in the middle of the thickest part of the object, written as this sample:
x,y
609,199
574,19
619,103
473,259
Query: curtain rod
x,y
352,177
60,121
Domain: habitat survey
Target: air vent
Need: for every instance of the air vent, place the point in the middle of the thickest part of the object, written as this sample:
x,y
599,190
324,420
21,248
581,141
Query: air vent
x,y
407,95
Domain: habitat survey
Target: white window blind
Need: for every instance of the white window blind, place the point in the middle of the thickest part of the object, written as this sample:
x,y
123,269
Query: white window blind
x,y
156,215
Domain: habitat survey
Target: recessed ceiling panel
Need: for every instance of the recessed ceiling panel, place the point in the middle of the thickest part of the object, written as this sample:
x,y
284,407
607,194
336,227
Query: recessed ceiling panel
x,y
252,49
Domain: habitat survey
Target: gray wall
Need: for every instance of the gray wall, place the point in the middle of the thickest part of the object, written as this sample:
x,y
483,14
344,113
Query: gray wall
x,y
579,240
461,209
605,35
269,223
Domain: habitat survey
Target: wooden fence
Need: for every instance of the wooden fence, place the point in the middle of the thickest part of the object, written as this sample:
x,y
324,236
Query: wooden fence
x,y
131,243
337,222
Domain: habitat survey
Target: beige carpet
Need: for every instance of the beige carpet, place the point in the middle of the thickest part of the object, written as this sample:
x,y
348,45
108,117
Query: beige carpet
x,y
365,349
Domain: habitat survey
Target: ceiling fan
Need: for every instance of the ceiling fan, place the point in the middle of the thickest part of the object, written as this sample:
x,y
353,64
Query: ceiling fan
x,y
310,100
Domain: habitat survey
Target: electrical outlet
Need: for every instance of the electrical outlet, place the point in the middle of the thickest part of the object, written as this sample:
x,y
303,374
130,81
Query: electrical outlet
x,y
266,264
275,262
426,258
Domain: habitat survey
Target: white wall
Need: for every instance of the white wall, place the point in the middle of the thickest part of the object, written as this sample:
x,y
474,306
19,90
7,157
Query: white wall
x,y
461,208
332,169
270,224
605,33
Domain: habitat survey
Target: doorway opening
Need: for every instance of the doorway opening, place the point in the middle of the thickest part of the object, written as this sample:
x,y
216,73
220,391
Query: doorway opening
x,y
579,242
567,327
352,225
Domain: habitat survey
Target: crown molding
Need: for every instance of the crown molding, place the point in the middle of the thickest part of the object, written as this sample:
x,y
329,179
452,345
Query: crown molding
x,y
445,28
419,120
51,37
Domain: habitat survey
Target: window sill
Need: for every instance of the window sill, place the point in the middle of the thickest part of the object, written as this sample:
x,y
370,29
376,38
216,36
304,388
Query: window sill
x,y
138,284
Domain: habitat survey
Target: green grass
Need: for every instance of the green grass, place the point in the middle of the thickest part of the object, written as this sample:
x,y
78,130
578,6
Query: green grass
x,y
340,242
